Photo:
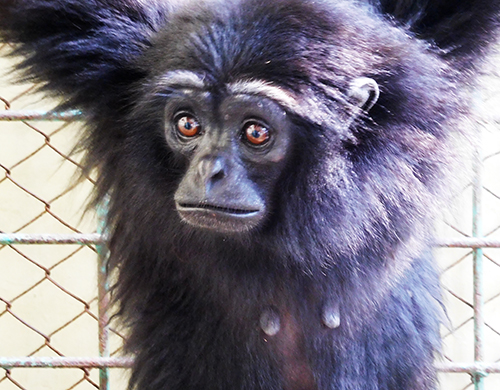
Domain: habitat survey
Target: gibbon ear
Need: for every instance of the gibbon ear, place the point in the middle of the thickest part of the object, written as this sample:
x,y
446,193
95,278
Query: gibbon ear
x,y
363,92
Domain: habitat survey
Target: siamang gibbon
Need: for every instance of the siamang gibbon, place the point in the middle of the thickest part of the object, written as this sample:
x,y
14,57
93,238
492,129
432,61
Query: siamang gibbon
x,y
272,168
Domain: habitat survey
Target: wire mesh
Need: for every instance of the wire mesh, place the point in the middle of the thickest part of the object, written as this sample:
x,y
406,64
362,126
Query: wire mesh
x,y
471,275
53,300
51,304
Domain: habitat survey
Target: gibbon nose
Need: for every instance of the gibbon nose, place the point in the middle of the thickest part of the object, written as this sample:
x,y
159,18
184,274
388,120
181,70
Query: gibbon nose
x,y
212,169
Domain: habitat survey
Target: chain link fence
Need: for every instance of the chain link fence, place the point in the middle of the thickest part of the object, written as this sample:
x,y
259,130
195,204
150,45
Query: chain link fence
x,y
471,275
53,297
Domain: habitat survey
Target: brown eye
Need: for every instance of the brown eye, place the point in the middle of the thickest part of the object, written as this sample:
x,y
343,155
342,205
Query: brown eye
x,y
188,126
256,134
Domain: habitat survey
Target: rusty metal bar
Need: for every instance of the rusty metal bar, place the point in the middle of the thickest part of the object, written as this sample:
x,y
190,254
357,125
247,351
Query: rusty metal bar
x,y
478,283
103,298
76,238
66,362
469,242
470,368
96,238
127,362
11,115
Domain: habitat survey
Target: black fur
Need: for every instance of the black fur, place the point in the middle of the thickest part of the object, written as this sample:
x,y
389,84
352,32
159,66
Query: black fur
x,y
352,212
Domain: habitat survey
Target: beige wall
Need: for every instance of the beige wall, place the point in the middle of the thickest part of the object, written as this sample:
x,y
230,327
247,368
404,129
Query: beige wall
x,y
52,288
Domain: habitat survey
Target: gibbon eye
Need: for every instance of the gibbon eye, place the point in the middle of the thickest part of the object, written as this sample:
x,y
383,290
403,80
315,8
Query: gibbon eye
x,y
256,133
188,126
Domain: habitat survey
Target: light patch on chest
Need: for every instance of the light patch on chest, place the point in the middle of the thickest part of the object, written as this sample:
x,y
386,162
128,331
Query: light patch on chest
x,y
285,337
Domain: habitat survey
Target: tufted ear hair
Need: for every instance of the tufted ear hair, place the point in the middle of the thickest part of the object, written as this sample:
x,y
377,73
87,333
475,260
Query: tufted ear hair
x,y
83,50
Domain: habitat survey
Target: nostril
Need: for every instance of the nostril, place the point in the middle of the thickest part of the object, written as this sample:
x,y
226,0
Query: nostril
x,y
217,171
212,169
217,176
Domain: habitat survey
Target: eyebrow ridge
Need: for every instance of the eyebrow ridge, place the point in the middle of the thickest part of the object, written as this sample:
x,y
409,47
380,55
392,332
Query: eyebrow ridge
x,y
181,78
185,79
263,88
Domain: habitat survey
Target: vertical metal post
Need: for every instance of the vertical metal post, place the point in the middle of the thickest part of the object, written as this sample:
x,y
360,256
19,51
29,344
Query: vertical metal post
x,y
477,189
103,299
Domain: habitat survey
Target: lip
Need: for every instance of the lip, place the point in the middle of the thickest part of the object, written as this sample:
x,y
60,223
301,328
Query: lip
x,y
219,218
218,209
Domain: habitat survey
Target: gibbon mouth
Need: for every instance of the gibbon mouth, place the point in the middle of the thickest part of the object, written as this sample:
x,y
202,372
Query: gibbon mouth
x,y
220,209
220,219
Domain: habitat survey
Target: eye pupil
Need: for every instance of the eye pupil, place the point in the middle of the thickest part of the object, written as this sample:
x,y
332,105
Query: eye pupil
x,y
257,134
188,126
